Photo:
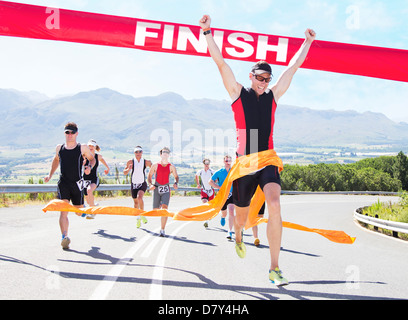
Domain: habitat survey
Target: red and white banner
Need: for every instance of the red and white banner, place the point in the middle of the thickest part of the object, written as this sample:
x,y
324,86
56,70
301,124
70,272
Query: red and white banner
x,y
28,21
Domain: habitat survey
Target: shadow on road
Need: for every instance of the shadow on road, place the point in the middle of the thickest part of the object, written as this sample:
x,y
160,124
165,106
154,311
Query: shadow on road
x,y
269,293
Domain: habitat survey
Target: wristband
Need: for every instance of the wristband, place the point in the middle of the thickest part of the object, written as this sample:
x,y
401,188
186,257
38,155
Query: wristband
x,y
206,31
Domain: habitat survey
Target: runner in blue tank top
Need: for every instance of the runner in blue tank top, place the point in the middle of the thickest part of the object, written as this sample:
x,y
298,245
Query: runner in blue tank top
x,y
216,182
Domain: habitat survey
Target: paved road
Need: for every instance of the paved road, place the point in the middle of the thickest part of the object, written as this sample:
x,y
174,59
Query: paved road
x,y
111,259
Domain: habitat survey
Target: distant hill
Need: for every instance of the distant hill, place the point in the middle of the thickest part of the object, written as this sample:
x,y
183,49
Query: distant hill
x,y
121,121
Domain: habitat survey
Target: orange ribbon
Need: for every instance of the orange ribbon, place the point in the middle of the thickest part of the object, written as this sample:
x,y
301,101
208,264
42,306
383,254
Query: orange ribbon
x,y
207,211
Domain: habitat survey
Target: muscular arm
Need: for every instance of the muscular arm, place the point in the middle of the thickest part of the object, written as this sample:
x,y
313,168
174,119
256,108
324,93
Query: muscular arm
x,y
285,79
54,164
176,177
213,184
228,78
88,155
148,163
129,166
101,159
197,178
150,176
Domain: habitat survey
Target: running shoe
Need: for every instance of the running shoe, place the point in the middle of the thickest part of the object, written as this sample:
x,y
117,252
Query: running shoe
x,y
206,224
222,221
241,249
90,216
275,276
229,237
162,233
138,222
65,242
257,242
144,220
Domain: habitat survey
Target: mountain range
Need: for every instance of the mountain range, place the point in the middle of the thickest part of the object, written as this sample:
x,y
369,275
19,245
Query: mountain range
x,y
119,121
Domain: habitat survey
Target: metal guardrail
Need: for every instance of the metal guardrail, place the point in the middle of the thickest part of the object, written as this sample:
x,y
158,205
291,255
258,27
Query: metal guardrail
x,y
383,224
40,188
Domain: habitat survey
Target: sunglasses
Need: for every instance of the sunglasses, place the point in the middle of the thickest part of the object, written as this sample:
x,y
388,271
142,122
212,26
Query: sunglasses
x,y
261,79
69,132
206,163
229,160
138,151
166,152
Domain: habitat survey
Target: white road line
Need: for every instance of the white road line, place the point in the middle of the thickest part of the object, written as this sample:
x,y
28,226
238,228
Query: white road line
x,y
157,278
149,249
102,291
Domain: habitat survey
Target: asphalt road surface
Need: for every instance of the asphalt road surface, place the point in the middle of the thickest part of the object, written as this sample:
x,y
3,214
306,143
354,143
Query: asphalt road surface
x,y
109,258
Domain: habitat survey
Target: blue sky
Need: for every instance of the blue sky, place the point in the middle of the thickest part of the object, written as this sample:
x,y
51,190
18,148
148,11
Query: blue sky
x,y
58,68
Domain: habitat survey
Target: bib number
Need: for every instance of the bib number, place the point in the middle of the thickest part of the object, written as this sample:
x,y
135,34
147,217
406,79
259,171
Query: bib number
x,y
83,184
137,185
163,189
208,192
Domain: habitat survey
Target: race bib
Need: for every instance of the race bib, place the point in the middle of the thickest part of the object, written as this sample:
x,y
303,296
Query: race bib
x,y
137,185
209,192
163,189
83,184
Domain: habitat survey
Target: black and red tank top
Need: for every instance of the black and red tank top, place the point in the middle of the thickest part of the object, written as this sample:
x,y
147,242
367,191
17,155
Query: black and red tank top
x,y
71,162
254,121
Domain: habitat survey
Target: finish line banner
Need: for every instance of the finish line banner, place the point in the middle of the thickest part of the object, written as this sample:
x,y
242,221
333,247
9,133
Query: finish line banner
x,y
28,21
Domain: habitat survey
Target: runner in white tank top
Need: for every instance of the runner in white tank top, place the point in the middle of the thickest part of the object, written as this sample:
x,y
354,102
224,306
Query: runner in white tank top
x,y
138,184
207,192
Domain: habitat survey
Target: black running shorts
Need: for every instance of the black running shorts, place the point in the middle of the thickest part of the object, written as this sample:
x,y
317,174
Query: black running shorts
x,y
135,188
70,191
244,188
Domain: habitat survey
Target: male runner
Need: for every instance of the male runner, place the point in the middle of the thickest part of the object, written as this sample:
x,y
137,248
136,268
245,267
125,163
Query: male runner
x,y
207,192
220,176
69,156
138,185
161,195
254,114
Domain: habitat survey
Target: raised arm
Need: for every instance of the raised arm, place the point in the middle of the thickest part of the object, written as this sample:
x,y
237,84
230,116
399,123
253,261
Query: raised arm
x,y
283,82
228,78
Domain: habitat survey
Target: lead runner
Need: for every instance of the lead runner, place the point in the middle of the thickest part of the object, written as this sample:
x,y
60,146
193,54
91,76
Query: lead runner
x,y
254,115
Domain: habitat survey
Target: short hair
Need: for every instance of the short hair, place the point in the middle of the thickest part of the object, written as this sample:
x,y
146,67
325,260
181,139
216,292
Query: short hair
x,y
165,148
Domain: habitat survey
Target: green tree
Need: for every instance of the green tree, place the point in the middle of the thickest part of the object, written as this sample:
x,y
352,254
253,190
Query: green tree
x,y
400,169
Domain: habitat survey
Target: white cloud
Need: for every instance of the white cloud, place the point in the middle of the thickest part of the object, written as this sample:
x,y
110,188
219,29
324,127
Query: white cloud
x,y
374,15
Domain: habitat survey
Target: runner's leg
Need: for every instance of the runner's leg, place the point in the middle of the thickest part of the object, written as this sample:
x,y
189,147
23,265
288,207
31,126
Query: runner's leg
x,y
274,227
